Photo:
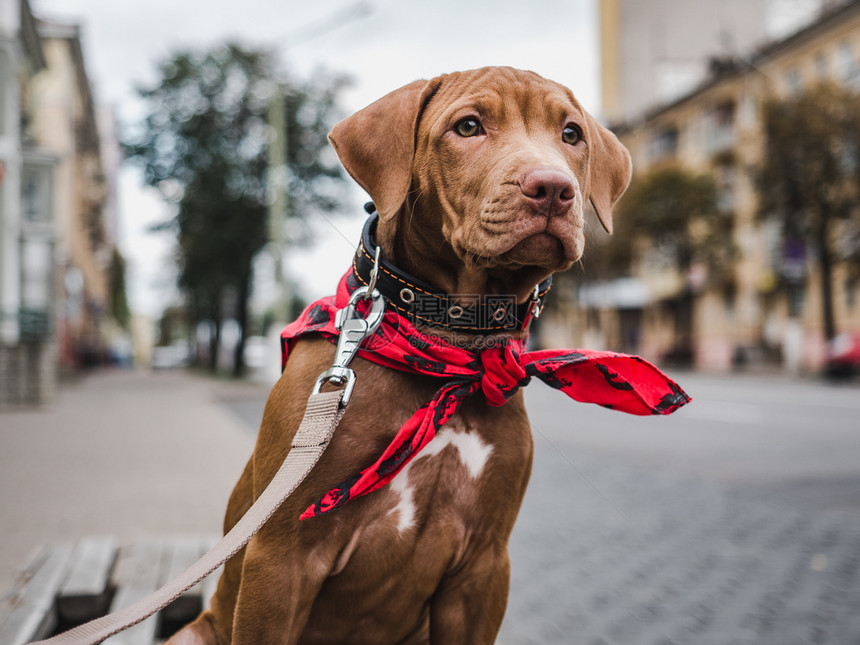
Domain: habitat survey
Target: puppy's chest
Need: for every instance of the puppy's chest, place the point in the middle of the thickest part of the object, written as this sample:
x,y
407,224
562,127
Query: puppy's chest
x,y
468,481
446,478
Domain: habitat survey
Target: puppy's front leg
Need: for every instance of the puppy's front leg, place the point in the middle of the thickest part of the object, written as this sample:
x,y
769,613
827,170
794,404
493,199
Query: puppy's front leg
x,y
470,604
276,594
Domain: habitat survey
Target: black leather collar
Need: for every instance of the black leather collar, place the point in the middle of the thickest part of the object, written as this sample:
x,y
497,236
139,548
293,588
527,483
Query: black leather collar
x,y
425,305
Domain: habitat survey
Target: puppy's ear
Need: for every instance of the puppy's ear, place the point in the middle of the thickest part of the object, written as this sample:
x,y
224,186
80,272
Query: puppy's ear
x,y
610,169
376,144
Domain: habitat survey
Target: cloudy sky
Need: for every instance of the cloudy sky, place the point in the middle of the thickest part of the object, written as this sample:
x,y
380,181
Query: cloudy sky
x,y
381,44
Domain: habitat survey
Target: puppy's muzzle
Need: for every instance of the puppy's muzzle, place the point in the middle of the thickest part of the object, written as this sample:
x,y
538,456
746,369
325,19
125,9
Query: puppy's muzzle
x,y
549,192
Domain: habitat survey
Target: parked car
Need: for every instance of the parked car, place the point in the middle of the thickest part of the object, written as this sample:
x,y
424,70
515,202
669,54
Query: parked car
x,y
169,356
843,355
258,352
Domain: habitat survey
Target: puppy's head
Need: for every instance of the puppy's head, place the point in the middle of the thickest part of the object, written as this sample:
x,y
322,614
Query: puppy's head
x,y
489,169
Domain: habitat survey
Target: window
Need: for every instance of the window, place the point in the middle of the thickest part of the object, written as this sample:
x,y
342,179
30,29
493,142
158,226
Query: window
x,y
846,61
35,194
796,296
664,144
793,80
730,295
747,115
720,127
725,178
36,273
822,68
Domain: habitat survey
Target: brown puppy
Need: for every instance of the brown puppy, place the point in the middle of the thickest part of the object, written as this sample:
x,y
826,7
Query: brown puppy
x,y
480,179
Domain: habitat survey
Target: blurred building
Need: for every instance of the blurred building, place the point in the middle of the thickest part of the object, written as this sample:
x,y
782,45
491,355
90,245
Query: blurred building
x,y
748,315
27,235
654,51
65,122
56,241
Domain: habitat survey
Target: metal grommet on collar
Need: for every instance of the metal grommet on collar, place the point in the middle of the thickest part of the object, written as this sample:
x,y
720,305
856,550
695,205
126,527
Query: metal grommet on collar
x,y
500,314
407,296
455,311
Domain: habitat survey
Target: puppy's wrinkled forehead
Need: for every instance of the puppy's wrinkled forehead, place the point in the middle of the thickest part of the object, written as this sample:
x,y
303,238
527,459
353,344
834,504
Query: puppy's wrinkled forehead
x,y
500,97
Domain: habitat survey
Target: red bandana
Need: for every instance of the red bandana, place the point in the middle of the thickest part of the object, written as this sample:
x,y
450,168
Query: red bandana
x,y
616,381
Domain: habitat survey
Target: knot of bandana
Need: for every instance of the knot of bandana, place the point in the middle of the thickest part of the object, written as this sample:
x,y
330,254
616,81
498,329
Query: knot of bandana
x,y
502,375
616,381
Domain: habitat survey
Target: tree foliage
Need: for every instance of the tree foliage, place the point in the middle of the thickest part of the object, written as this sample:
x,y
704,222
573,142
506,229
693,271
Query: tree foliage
x,y
676,211
810,173
116,284
205,142
315,179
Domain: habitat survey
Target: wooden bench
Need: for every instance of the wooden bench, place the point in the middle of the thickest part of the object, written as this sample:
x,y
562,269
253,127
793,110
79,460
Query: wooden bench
x,y
64,585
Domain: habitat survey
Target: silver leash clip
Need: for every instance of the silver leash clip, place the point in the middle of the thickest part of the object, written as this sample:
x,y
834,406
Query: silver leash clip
x,y
353,330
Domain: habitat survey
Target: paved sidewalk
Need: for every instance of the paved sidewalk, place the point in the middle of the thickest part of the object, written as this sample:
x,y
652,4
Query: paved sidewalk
x,y
119,453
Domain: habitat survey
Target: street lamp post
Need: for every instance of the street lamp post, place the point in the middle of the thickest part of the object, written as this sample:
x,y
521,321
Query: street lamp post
x,y
279,170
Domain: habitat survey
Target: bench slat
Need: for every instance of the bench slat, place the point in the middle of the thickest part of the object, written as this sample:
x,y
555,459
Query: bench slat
x,y
32,608
84,595
70,584
136,575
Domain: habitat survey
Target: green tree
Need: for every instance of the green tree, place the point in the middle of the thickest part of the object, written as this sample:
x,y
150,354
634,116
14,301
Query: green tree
x,y
677,211
116,284
204,144
810,174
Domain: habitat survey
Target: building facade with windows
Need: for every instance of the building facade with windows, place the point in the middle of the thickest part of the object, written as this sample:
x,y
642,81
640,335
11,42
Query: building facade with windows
x,y
65,122
767,307
654,51
55,244
27,236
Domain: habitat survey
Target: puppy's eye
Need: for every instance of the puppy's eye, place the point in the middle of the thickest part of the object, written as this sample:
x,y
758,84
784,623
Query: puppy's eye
x,y
571,134
468,127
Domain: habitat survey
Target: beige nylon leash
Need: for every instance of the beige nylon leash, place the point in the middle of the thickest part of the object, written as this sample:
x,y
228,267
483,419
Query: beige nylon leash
x,y
322,416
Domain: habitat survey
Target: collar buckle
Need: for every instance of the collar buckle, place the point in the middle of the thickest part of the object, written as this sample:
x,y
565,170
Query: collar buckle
x,y
535,308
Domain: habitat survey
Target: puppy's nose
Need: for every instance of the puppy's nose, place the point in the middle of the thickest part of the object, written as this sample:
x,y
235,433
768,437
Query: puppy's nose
x,y
550,191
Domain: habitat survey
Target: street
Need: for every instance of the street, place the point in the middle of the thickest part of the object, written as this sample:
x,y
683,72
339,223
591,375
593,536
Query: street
x,y
798,440
733,521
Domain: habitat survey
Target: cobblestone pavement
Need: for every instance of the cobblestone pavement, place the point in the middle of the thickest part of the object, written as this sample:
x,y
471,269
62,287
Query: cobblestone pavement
x,y
613,551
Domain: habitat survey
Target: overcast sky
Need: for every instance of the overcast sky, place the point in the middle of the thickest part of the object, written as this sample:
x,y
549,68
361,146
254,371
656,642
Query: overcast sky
x,y
396,42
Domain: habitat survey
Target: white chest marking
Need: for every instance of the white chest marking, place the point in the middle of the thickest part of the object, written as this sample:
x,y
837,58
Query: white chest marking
x,y
473,453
